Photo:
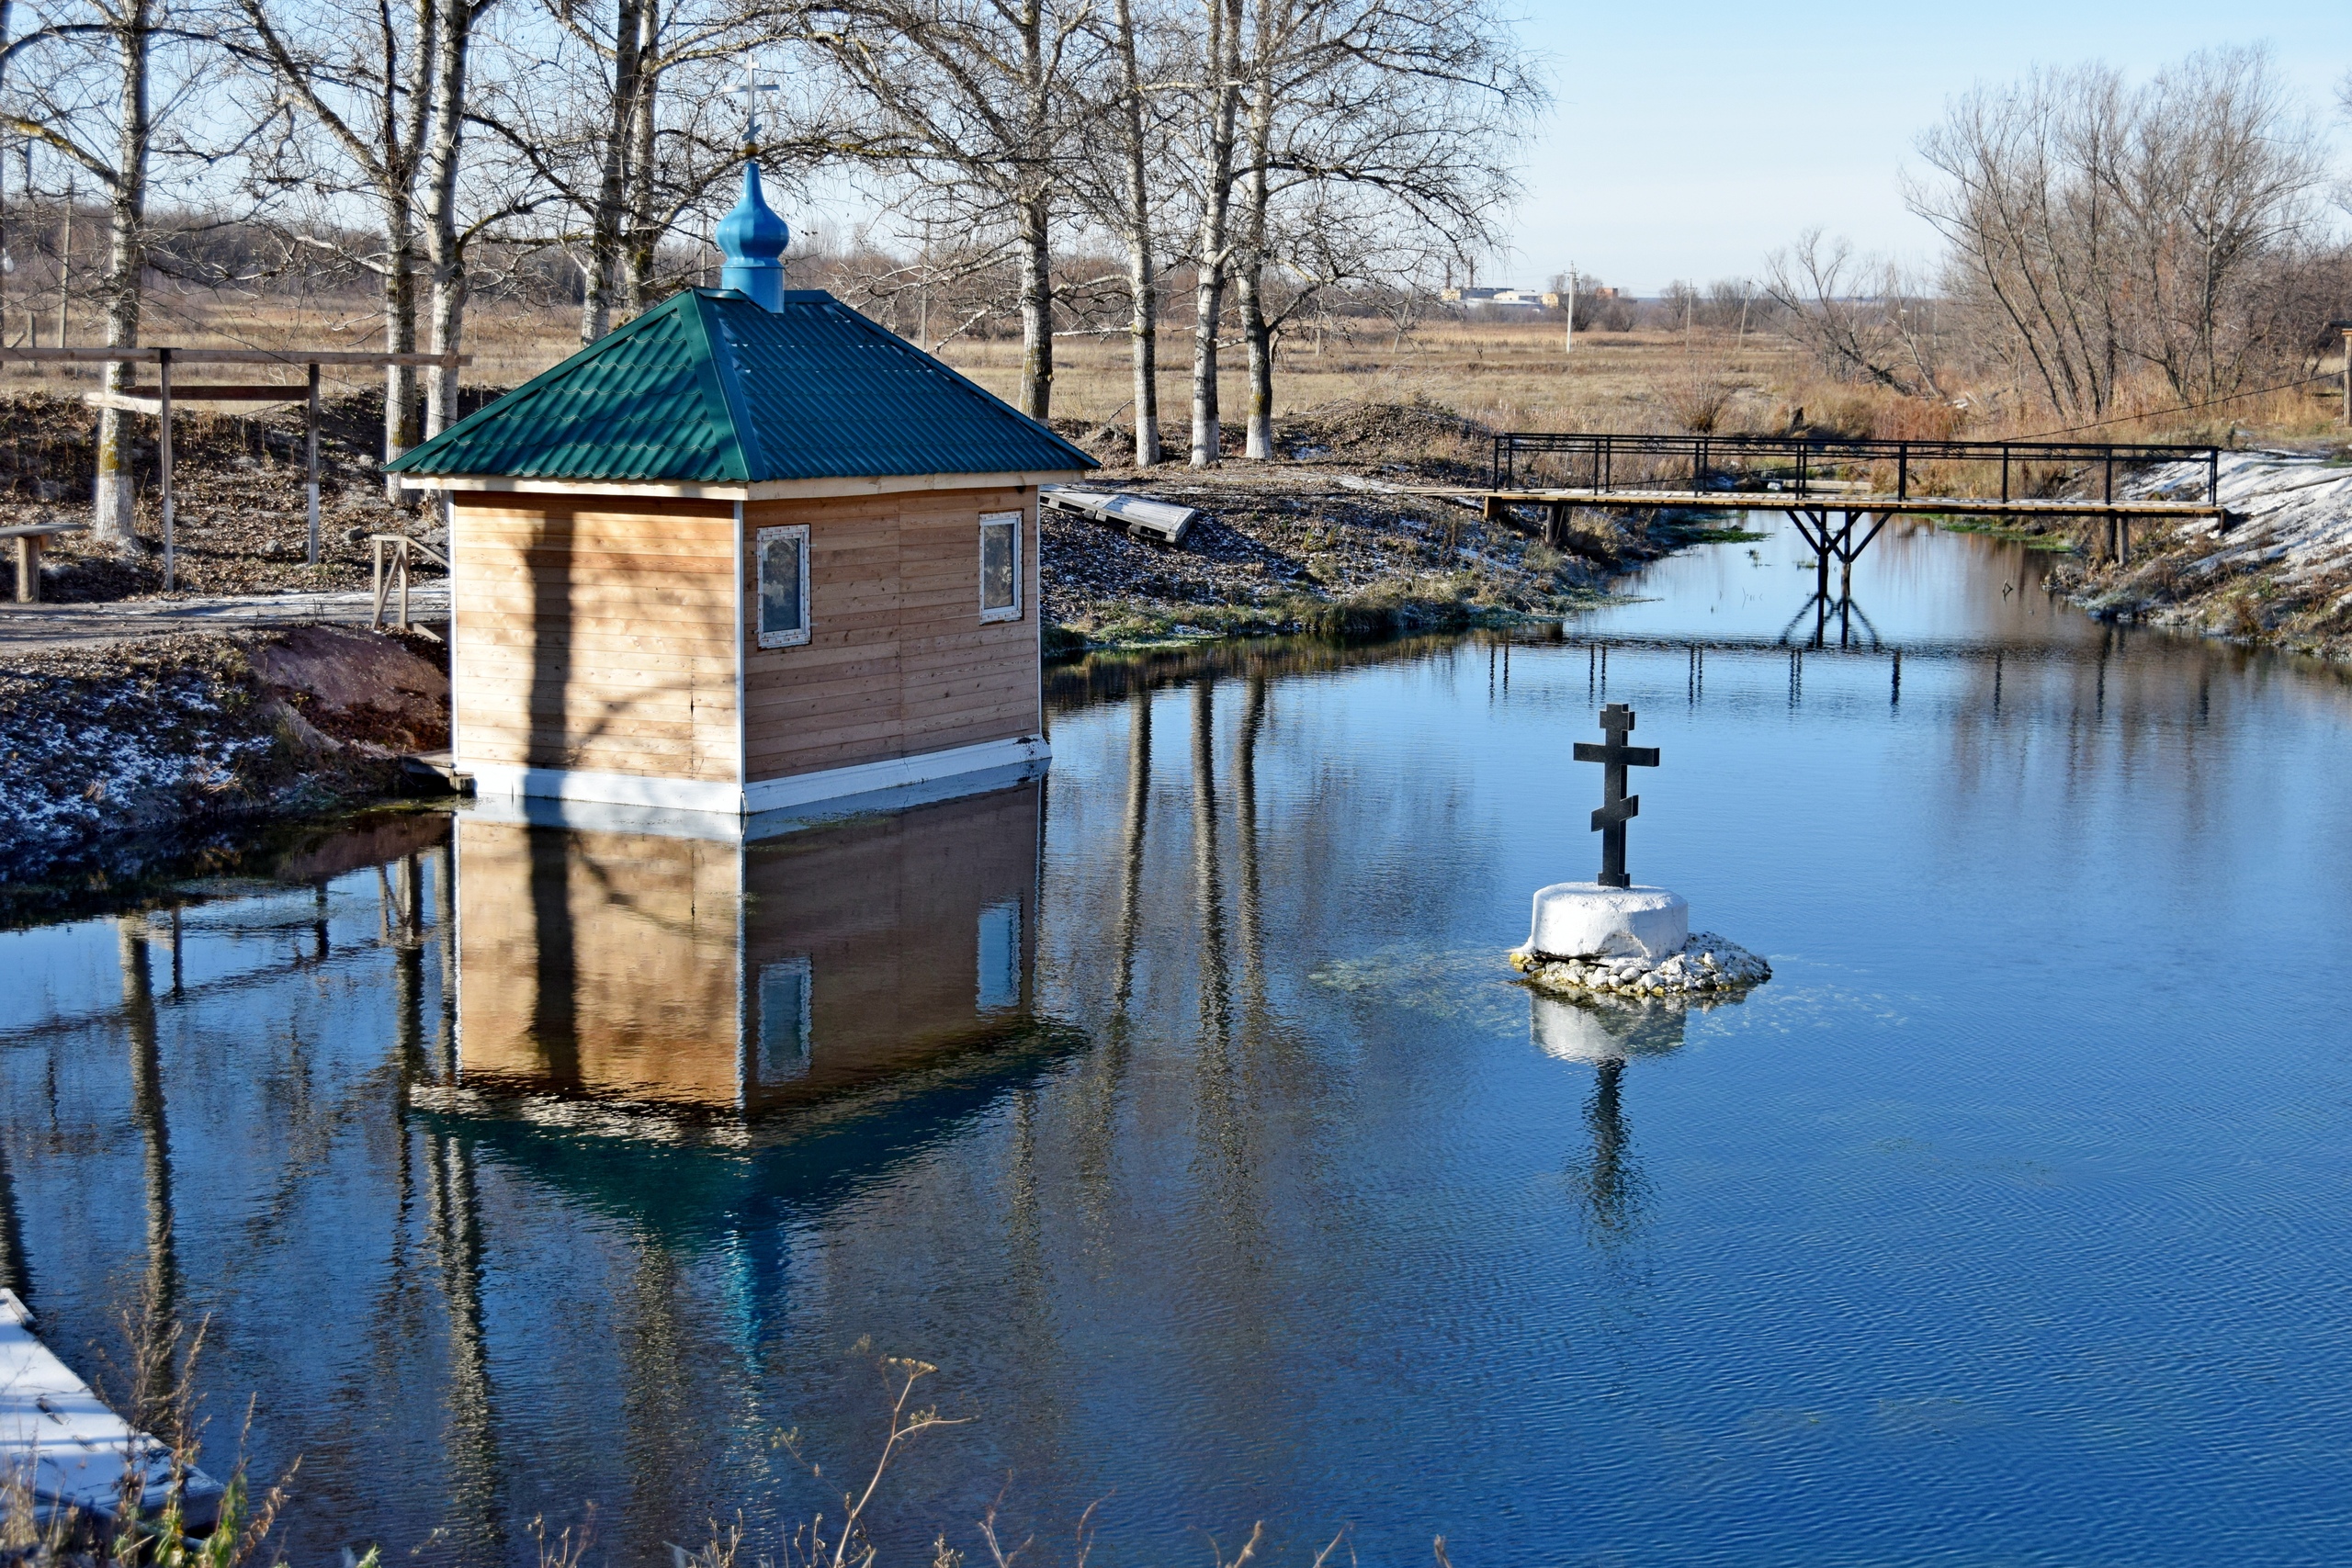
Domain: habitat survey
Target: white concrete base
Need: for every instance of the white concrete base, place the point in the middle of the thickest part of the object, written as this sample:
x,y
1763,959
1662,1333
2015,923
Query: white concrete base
x,y
1584,919
729,828
762,795
505,779
898,773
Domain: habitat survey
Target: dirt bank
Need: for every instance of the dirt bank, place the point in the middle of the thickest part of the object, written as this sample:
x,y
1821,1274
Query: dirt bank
x,y
117,759
2280,575
1326,540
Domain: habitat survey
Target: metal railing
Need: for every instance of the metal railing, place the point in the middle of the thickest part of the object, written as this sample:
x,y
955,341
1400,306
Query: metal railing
x,y
1810,465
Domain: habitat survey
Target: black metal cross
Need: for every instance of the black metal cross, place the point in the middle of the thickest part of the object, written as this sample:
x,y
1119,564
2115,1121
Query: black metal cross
x,y
1617,807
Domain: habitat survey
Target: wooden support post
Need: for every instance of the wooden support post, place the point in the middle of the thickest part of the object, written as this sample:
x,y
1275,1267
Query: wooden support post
x,y
163,455
311,462
2123,541
28,569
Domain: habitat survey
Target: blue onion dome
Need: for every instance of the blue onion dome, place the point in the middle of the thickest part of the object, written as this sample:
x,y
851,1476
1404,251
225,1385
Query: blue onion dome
x,y
751,241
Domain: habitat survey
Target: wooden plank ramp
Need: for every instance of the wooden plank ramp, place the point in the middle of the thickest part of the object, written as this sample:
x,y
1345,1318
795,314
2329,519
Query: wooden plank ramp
x,y
75,1453
1158,522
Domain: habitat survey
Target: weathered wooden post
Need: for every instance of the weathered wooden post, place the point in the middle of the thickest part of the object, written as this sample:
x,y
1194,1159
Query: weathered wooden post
x,y
311,462
164,457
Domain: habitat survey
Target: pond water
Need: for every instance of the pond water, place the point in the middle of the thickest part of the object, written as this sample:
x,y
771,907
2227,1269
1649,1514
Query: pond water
x,y
1181,1109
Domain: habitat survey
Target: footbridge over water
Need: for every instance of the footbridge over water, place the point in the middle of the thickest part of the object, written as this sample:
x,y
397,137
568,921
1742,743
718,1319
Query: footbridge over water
x,y
1841,491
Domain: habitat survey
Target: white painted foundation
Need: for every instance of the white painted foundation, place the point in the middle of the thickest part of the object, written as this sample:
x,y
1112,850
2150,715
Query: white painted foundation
x,y
980,765
1584,919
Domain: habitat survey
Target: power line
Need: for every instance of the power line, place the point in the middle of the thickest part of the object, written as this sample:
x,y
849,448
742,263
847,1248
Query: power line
x,y
2185,408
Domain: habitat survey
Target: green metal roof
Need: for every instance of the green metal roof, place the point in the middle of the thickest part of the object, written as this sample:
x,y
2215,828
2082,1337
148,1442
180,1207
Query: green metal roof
x,y
708,388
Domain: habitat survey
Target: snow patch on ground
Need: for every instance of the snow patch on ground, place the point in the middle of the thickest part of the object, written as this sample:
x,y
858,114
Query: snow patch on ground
x,y
79,759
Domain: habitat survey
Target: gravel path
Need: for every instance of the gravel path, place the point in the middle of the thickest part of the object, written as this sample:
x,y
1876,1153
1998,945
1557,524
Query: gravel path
x,y
24,627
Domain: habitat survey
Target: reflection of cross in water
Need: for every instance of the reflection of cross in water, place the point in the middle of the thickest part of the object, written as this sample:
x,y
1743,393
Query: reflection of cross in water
x,y
1617,807
1613,1186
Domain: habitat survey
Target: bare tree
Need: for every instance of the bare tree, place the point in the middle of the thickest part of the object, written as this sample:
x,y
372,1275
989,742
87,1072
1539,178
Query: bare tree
x,y
1217,102
1392,123
1857,315
362,74
1129,202
446,233
85,79
2094,226
974,98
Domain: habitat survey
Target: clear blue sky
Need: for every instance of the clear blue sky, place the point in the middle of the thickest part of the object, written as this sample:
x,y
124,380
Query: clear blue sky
x,y
1691,140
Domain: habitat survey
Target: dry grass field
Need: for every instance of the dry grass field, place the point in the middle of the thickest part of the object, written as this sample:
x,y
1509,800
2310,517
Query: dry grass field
x,y
1504,375
1360,399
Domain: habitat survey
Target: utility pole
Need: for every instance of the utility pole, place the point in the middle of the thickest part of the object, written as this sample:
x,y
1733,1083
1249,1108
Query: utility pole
x,y
64,259
1569,335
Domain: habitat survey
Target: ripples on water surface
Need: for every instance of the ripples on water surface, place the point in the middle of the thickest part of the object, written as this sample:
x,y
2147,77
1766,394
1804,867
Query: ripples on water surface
x,y
1180,1109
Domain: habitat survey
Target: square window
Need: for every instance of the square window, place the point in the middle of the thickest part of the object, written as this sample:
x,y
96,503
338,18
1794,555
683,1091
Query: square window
x,y
783,586
1000,566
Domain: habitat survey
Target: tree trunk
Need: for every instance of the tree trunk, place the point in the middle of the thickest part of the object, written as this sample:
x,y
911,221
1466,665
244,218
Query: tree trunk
x,y
399,332
645,227
604,223
1037,310
1250,281
1221,59
114,514
1142,288
452,44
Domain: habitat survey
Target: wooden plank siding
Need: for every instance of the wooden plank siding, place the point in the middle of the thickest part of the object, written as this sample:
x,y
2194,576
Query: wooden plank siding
x,y
599,634
898,659
596,633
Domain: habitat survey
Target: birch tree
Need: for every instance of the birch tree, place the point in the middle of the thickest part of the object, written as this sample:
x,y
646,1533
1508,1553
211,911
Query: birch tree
x,y
974,98
363,75
619,116
1385,127
1217,100
1126,199
83,85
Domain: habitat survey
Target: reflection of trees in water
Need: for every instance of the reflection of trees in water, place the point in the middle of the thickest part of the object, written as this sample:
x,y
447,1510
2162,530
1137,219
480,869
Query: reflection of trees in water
x,y
15,1275
157,1329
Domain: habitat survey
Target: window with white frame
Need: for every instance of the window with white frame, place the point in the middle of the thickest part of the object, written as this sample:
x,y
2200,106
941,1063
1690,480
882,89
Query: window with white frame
x,y
1000,566
783,586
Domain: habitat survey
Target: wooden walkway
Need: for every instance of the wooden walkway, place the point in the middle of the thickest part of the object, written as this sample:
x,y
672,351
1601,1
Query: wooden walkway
x,y
1841,491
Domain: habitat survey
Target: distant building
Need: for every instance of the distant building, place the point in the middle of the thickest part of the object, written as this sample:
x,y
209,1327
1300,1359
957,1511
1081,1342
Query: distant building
x,y
1498,299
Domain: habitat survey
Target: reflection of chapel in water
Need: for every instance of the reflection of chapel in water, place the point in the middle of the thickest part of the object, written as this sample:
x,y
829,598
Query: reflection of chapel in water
x,y
696,973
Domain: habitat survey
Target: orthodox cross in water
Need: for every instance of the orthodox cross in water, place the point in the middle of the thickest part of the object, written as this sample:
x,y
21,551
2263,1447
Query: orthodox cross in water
x,y
1617,808
750,91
